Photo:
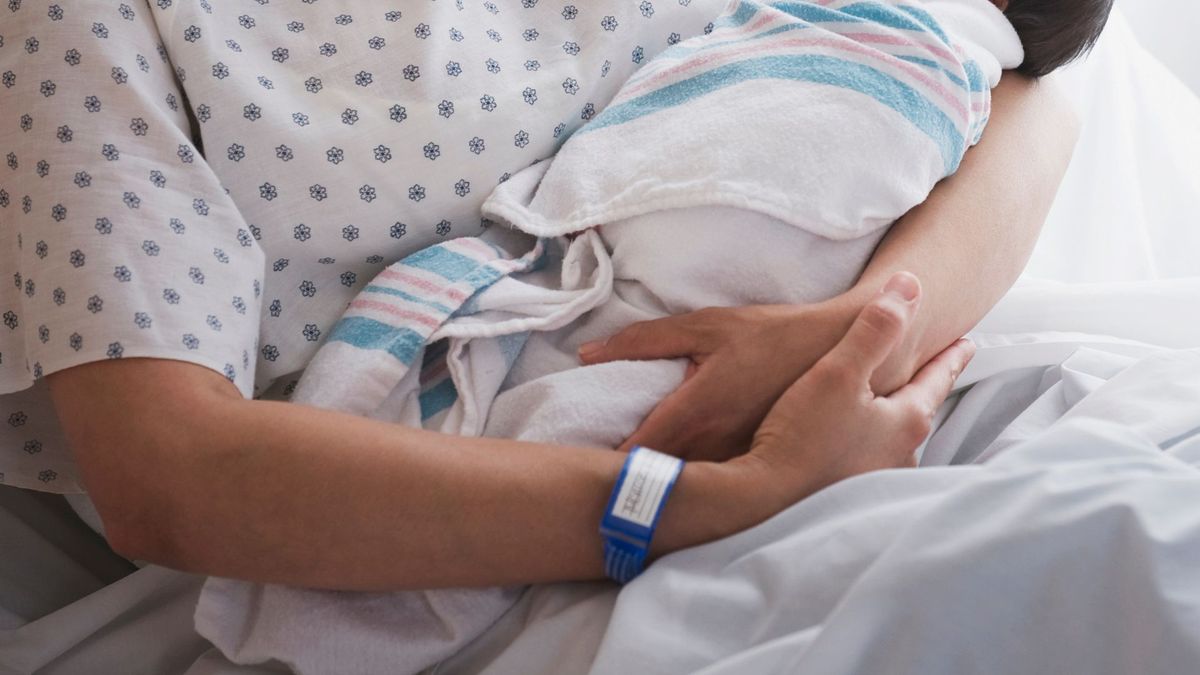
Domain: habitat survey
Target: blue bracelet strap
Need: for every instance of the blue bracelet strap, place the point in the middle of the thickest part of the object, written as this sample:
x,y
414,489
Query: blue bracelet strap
x,y
633,510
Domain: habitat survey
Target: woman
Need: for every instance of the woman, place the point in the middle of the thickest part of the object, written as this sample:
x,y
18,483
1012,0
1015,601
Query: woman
x,y
201,184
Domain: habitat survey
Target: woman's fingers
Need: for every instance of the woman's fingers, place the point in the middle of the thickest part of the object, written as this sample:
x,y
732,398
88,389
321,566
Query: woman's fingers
x,y
929,388
666,338
671,425
704,419
932,384
880,326
660,430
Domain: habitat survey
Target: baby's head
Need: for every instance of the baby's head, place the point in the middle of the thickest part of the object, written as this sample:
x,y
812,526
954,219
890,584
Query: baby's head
x,y
1055,32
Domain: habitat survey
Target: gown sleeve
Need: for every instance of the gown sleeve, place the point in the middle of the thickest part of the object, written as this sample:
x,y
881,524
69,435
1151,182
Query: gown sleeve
x,y
116,237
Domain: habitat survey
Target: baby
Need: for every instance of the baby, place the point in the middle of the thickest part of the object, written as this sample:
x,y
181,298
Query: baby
x,y
1055,32
758,163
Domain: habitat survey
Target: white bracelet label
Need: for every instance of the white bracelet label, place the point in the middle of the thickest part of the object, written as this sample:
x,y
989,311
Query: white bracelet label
x,y
646,482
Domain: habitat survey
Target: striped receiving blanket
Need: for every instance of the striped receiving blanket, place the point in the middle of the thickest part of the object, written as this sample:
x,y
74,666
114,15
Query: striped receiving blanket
x,y
835,116
758,163
377,354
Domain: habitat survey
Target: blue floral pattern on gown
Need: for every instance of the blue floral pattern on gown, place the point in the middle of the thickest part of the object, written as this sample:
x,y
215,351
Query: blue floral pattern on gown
x,y
212,182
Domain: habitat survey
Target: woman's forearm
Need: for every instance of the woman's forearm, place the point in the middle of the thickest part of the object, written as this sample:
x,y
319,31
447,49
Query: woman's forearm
x,y
204,481
971,239
350,503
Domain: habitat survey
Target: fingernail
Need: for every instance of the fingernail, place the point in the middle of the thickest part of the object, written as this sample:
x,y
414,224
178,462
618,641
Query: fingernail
x,y
904,286
590,348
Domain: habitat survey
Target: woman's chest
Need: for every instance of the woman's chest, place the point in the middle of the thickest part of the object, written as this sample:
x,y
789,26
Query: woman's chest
x,y
380,128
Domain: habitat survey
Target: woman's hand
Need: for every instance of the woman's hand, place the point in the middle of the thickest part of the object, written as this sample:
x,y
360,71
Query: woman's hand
x,y
829,425
743,359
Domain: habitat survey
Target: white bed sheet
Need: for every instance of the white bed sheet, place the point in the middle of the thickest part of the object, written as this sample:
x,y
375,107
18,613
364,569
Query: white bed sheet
x,y
743,604
1073,552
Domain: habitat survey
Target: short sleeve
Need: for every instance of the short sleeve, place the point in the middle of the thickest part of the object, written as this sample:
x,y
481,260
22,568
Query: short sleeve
x,y
117,239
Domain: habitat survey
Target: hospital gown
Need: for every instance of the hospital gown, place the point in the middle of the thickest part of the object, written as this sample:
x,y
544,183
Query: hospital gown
x,y
212,182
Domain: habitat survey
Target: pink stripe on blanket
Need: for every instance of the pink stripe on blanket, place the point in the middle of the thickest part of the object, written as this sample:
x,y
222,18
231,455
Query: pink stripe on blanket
x,y
478,246
897,41
391,310
840,43
424,284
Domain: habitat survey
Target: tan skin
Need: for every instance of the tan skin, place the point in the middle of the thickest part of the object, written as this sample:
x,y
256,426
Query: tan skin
x,y
187,474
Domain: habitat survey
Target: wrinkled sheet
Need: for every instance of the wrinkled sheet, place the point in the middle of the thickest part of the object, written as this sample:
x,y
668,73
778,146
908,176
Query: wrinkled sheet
x,y
1072,552
1052,528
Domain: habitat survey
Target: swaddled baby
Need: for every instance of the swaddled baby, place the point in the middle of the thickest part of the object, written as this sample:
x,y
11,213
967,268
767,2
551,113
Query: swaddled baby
x,y
758,163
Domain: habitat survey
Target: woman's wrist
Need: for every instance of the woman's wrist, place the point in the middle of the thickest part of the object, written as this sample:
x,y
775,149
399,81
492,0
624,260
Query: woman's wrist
x,y
712,501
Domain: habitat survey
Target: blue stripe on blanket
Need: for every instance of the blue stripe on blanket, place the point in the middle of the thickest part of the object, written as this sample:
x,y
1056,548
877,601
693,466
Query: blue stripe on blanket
x,y
686,48
384,290
438,398
364,333
447,264
935,66
897,17
768,33
740,16
976,85
819,69
979,81
926,19
811,13
511,346
484,275
892,16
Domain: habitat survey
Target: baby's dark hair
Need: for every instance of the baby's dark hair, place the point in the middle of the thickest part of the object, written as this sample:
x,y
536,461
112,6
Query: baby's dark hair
x,y
1056,32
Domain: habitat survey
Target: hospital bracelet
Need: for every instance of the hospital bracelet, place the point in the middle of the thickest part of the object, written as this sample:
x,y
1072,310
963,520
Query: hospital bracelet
x,y
633,510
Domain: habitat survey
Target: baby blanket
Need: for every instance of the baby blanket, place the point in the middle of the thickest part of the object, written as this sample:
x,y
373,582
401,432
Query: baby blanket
x,y
759,163
835,116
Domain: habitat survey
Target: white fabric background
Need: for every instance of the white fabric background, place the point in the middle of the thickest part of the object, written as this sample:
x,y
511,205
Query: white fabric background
x,y
1168,29
1129,207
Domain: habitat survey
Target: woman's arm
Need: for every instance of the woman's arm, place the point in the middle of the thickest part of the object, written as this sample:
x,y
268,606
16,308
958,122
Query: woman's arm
x,y
188,474
968,243
972,237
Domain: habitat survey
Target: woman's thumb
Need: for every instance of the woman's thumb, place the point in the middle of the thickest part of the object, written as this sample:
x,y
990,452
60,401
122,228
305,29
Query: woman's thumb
x,y
879,328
